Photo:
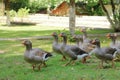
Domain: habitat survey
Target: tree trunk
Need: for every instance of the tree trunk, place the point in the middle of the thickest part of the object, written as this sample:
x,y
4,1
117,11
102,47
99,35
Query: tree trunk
x,y
114,19
72,17
7,12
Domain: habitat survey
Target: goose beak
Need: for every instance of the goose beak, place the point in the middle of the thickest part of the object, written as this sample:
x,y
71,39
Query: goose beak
x,y
23,42
52,34
93,42
81,30
60,35
108,36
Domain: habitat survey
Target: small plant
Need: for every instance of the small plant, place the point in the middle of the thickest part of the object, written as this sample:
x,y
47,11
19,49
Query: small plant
x,y
23,12
13,13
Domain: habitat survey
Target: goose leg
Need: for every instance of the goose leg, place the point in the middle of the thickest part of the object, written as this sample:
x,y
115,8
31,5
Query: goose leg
x,y
68,62
84,60
73,63
33,66
44,64
113,63
39,67
64,58
101,65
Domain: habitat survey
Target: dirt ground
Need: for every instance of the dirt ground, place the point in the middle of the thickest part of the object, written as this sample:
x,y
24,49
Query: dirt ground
x,y
81,21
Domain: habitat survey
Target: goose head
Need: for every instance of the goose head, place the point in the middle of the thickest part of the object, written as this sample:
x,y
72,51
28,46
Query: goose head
x,y
111,36
83,30
64,36
54,34
28,44
77,38
96,42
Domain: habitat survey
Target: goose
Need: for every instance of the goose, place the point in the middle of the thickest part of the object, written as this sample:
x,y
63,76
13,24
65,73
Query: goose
x,y
35,56
114,43
57,46
83,45
104,54
85,37
72,51
87,46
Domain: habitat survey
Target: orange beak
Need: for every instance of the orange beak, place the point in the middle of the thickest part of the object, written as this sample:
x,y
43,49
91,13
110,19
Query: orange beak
x,y
60,35
52,34
81,30
93,42
23,42
108,36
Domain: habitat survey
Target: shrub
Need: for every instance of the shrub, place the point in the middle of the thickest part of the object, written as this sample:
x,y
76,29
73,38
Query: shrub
x,y
17,4
22,12
35,6
13,13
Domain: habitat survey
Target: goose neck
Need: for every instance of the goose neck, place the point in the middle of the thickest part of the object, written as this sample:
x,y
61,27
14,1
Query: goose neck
x,y
98,45
113,41
56,39
84,35
65,40
29,47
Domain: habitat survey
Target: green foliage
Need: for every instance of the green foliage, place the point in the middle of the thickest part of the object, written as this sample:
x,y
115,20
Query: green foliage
x,y
17,4
37,5
13,13
94,7
22,12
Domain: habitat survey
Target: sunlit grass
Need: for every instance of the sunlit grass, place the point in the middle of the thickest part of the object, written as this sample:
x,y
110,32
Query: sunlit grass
x,y
14,67
17,31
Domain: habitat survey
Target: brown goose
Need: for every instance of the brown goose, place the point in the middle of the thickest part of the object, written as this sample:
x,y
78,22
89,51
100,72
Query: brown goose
x,y
71,51
35,56
114,44
104,54
57,46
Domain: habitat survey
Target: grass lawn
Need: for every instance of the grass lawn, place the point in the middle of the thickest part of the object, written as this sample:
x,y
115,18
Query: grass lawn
x,y
13,66
28,31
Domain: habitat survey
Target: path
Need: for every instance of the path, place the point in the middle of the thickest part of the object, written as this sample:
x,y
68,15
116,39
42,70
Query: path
x,y
81,21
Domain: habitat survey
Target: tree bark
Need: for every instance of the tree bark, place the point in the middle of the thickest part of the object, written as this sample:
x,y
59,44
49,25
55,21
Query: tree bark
x,y
114,19
72,17
7,12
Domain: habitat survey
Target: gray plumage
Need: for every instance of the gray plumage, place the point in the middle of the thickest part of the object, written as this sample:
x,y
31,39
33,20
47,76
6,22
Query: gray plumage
x,y
72,51
114,44
86,43
35,56
57,46
104,53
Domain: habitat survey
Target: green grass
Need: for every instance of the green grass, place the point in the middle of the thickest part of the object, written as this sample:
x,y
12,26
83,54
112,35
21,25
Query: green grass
x,y
13,66
28,31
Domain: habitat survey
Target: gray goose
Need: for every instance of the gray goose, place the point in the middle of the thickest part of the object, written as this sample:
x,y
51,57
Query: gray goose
x,y
104,54
73,52
83,45
57,46
86,46
114,44
35,56
85,37
78,39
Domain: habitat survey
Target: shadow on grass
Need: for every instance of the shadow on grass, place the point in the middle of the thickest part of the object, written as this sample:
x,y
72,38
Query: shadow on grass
x,y
14,24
